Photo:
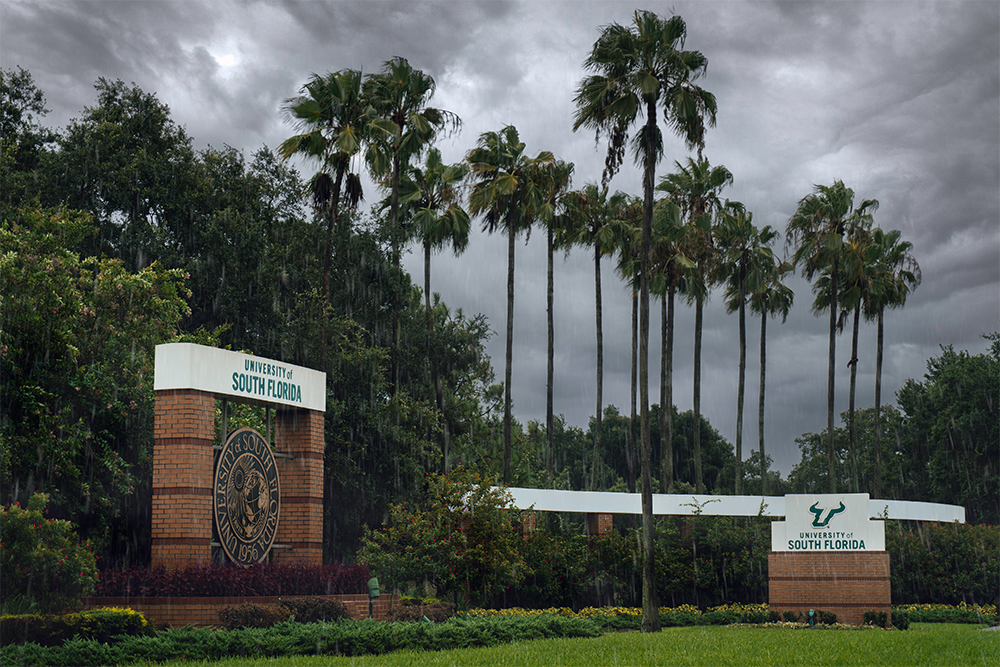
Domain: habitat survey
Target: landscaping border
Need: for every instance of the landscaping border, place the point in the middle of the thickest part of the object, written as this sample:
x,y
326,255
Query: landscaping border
x,y
177,612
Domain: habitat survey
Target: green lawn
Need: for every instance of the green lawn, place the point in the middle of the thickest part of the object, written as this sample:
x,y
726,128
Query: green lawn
x,y
923,644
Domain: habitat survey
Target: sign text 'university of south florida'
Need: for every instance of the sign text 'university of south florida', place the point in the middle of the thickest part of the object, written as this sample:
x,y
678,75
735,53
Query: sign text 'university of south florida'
x,y
827,522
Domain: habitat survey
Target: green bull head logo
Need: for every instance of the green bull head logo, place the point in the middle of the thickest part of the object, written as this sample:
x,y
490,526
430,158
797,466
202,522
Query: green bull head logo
x,y
818,512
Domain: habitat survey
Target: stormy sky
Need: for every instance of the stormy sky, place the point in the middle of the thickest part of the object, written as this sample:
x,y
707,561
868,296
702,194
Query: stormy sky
x,y
900,100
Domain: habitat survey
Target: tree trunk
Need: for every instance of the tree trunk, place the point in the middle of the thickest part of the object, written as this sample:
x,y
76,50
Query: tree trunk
x,y
850,409
650,603
633,425
699,481
394,235
507,477
830,376
742,382
667,423
549,368
600,366
760,404
877,484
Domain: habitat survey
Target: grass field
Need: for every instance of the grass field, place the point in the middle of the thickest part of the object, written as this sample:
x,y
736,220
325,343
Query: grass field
x,y
931,644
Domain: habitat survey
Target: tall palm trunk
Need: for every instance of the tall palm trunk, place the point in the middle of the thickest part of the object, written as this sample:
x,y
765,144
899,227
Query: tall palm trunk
x,y
331,225
850,409
507,477
394,238
739,392
549,368
830,375
600,366
699,481
760,404
877,483
667,403
633,438
650,603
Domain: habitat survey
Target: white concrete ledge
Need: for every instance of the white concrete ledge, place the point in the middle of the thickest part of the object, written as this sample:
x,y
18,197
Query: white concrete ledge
x,y
606,502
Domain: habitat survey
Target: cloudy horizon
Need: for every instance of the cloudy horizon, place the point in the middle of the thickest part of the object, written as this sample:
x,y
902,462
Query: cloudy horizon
x,y
900,100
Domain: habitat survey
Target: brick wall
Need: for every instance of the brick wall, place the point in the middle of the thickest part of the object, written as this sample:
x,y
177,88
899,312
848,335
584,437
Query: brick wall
x,y
183,430
178,612
300,434
847,583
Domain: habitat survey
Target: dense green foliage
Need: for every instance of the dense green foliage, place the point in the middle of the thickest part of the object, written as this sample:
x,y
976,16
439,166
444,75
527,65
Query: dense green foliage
x,y
100,625
298,639
42,560
462,540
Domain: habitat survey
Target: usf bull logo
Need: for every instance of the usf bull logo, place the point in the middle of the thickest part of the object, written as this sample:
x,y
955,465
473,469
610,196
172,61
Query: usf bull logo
x,y
817,511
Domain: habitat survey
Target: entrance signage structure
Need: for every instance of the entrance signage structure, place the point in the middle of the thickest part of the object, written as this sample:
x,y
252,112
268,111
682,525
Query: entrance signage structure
x,y
265,494
828,553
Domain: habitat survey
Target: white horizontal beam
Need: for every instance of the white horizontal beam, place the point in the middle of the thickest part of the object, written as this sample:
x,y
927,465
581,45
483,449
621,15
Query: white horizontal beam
x,y
607,502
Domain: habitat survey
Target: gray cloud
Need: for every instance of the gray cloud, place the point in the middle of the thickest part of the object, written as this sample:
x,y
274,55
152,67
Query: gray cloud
x,y
900,100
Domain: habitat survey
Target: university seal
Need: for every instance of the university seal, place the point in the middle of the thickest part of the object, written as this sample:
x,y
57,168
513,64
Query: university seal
x,y
246,497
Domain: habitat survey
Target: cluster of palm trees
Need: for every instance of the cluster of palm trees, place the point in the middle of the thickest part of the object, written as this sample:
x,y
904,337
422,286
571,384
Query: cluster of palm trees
x,y
686,241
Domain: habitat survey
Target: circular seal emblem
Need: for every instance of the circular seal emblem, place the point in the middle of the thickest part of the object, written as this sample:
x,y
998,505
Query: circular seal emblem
x,y
246,497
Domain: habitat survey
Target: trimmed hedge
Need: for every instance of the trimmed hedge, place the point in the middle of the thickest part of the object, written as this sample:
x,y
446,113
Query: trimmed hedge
x,y
290,639
55,629
231,581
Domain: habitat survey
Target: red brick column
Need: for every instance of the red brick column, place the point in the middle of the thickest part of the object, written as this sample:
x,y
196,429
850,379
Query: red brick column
x,y
848,583
300,433
183,430
599,525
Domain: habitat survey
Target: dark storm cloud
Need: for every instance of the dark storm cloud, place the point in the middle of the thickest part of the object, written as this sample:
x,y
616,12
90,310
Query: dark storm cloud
x,y
900,100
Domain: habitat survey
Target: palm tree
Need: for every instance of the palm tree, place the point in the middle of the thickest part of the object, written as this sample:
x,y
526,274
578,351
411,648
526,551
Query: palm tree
x,y
403,126
817,230
594,218
695,189
636,69
895,275
745,261
333,119
772,297
508,193
431,195
555,183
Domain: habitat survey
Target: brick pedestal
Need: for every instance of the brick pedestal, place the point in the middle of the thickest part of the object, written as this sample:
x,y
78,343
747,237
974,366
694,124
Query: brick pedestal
x,y
300,434
183,430
183,475
848,583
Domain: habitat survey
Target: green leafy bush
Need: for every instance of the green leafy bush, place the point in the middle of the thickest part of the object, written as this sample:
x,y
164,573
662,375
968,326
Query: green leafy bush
x,y
53,630
901,619
42,559
462,539
253,615
291,639
436,611
312,610
877,618
791,616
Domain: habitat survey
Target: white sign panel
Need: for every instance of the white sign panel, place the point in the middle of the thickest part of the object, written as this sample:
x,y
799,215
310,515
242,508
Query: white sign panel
x,y
237,375
827,522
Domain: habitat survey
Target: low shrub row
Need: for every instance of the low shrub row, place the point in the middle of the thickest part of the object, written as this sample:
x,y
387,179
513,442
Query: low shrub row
x,y
291,639
899,619
233,581
301,610
630,618
943,613
55,629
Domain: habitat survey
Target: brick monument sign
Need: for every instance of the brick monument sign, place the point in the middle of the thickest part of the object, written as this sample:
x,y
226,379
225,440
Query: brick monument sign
x,y
258,496
828,555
